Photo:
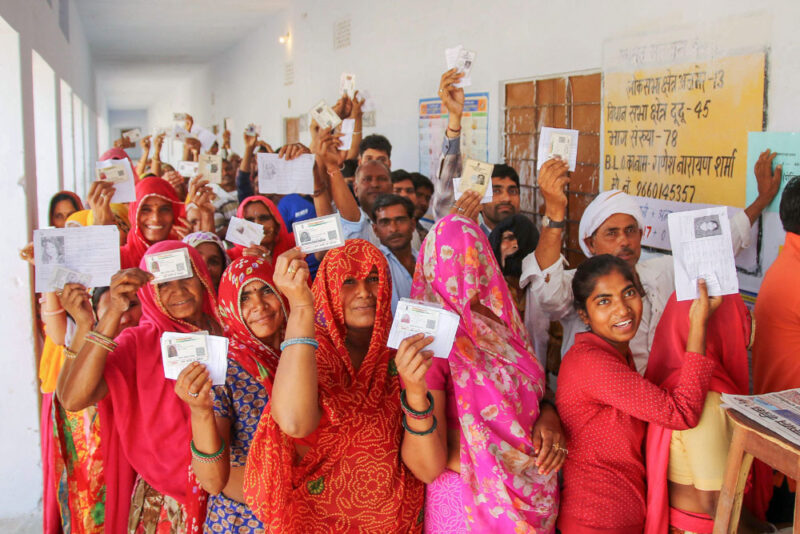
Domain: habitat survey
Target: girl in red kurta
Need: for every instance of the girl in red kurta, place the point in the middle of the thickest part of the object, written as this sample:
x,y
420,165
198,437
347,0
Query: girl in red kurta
x,y
605,404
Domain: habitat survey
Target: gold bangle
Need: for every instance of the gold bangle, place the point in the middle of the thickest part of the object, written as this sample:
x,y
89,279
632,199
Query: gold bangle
x,y
70,354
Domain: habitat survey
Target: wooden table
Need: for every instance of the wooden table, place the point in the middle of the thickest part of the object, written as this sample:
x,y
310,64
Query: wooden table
x,y
751,440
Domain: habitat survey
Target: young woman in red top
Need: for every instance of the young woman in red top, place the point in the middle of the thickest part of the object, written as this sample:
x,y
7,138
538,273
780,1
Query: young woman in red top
x,y
605,404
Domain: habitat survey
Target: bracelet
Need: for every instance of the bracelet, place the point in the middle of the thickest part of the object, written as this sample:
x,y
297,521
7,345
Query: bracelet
x,y
414,432
42,300
70,354
331,173
454,131
318,192
100,340
207,458
300,341
413,414
52,313
358,132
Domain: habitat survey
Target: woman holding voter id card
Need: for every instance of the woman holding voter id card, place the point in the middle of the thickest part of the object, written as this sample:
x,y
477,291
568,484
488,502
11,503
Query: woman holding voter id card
x,y
476,429
327,458
145,426
277,238
254,316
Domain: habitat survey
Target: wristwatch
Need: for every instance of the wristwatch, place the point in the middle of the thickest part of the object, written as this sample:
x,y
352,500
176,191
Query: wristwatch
x,y
547,222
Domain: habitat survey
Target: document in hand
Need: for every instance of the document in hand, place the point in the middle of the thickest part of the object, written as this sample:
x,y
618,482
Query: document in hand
x,y
284,177
90,250
558,142
322,233
702,248
348,128
461,59
324,116
228,124
63,276
475,176
210,167
120,173
347,84
414,317
169,265
179,350
179,117
206,138
243,232
252,129
488,196
188,169
133,135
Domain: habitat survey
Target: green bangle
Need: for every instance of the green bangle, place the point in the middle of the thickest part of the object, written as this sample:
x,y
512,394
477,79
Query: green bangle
x,y
414,432
208,458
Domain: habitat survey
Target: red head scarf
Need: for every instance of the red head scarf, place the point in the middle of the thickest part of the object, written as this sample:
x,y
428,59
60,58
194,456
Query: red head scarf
x,y
352,479
145,426
727,339
283,241
131,253
257,358
63,195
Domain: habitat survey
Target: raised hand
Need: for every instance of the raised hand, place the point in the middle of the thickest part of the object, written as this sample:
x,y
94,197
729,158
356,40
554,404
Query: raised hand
x,y
193,387
99,198
468,205
413,361
124,286
77,303
291,278
452,96
552,179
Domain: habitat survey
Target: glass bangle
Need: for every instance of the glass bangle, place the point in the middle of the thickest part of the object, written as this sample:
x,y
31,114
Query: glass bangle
x,y
414,432
299,341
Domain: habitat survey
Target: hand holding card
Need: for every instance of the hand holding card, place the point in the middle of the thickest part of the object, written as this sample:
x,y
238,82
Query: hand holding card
x,y
414,317
169,265
322,233
243,232
475,176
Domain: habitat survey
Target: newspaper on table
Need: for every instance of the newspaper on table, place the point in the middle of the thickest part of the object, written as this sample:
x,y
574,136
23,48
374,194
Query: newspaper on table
x,y
179,350
133,135
243,232
322,233
347,84
488,196
324,116
461,59
414,317
558,142
348,128
92,251
188,169
252,129
283,177
702,248
778,412
210,167
120,173
475,176
169,265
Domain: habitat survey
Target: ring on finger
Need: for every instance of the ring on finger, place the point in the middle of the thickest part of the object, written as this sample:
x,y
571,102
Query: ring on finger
x,y
195,395
291,269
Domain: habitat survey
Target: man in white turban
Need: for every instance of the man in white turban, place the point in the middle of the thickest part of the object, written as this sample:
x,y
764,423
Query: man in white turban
x,y
612,224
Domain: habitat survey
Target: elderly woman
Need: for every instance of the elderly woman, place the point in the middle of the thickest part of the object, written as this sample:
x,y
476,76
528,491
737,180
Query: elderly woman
x,y
476,429
327,459
213,251
145,426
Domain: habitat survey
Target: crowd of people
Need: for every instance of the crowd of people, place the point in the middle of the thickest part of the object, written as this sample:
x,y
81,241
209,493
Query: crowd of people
x,y
321,427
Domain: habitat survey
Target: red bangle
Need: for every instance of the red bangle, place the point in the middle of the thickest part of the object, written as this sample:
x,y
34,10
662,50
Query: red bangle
x,y
454,131
413,414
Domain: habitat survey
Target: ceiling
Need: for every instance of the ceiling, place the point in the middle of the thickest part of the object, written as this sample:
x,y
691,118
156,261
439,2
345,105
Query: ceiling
x,y
169,31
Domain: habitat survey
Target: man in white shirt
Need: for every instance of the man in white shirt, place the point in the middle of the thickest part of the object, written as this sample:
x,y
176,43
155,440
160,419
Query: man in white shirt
x,y
612,224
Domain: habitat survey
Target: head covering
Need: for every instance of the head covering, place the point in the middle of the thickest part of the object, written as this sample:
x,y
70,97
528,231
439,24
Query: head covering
x,y
601,208
727,339
131,253
118,153
527,238
145,426
254,356
198,238
86,217
283,240
58,197
357,445
496,378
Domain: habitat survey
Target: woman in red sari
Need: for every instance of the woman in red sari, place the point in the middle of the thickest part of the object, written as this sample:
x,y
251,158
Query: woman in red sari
x,y
277,237
327,459
145,426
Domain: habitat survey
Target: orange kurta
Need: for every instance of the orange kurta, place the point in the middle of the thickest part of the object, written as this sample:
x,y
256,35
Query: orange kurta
x,y
776,350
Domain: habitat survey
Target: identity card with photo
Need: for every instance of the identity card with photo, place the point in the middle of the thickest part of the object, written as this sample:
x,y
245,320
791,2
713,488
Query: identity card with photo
x,y
558,142
252,130
133,135
179,350
169,265
322,233
92,251
64,275
324,116
414,317
243,232
488,196
210,167
188,169
120,173
178,117
475,176
462,60
347,84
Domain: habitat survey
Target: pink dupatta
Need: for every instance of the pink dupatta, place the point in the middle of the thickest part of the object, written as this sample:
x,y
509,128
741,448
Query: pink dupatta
x,y
497,380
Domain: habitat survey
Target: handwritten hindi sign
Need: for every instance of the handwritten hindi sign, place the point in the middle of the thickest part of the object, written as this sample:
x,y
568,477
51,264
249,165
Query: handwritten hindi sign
x,y
679,134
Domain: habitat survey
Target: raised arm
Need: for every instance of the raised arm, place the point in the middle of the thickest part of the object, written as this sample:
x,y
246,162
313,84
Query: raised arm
x,y
332,159
142,165
357,114
450,163
552,180
244,188
155,161
769,182
78,304
201,195
53,317
295,391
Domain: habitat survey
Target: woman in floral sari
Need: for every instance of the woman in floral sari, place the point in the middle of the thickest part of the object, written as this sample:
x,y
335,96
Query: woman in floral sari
x,y
477,430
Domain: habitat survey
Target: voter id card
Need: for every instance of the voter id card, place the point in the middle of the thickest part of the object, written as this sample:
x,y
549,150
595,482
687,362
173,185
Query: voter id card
x,y
414,317
179,350
210,167
243,232
114,172
475,176
322,233
169,265
324,116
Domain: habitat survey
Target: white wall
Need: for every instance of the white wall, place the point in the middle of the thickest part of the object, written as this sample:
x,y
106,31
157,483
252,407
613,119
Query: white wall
x,y
397,54
124,119
25,27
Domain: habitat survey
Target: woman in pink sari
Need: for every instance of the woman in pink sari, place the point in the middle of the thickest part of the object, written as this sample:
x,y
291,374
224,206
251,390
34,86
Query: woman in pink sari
x,y
476,428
